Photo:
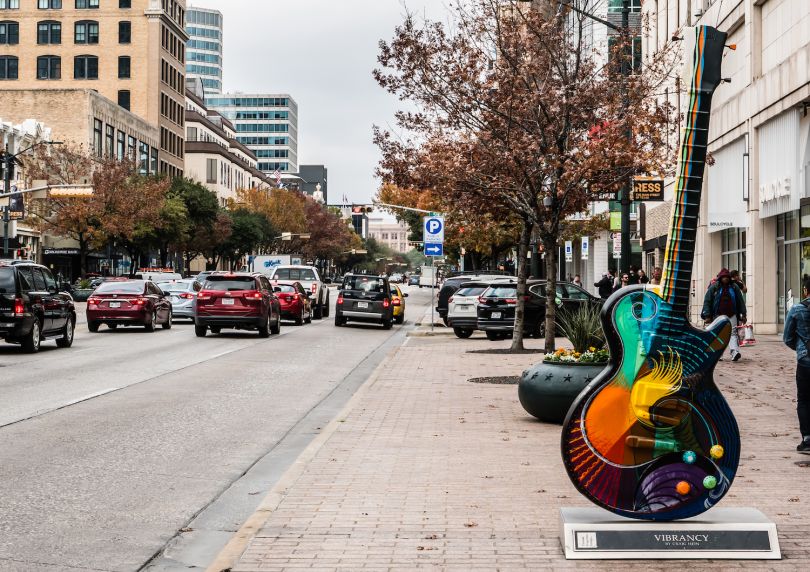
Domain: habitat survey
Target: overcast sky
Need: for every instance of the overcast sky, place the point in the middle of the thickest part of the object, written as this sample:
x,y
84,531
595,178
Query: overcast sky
x,y
321,52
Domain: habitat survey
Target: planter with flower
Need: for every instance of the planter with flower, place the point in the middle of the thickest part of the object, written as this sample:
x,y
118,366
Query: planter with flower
x,y
547,389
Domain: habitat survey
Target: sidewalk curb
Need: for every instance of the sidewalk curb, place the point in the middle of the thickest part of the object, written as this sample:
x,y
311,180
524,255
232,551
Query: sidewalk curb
x,y
229,556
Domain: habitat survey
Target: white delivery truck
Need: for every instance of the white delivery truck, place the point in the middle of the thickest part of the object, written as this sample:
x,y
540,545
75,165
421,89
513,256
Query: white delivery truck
x,y
269,262
427,277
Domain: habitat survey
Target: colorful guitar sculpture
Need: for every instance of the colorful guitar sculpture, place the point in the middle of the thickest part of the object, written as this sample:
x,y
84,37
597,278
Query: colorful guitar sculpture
x,y
652,437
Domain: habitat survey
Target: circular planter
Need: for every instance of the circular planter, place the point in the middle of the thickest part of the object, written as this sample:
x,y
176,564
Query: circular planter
x,y
546,390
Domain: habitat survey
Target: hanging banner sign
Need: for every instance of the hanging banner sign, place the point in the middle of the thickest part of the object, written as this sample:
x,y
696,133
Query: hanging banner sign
x,y
617,245
569,251
584,250
16,205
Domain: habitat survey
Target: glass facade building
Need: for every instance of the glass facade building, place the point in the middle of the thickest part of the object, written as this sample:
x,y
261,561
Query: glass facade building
x,y
267,124
204,47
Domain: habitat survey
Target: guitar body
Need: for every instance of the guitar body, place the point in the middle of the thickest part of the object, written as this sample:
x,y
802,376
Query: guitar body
x,y
652,420
652,437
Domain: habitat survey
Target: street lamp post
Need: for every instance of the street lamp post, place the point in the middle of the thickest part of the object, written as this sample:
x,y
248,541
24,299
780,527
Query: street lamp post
x,y
8,161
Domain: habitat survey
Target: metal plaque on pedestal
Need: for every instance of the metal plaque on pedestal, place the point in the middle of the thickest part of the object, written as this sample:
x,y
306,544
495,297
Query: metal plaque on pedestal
x,y
722,533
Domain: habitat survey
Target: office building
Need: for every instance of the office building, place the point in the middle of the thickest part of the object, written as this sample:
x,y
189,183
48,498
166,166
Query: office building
x,y
266,123
204,48
131,52
393,234
755,213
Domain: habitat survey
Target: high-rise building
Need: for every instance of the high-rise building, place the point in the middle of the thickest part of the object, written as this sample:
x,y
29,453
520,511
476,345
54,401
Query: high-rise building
x,y
132,52
266,123
204,48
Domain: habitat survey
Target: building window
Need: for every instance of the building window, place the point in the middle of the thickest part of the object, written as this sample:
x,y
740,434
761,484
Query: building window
x,y
121,146
85,67
86,4
124,67
124,32
48,4
124,99
98,133
9,67
110,141
733,250
211,171
143,160
131,150
9,33
9,4
86,32
49,67
125,3
153,165
49,33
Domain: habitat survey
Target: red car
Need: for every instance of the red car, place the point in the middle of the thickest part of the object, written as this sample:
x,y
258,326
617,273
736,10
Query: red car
x,y
238,300
129,303
296,303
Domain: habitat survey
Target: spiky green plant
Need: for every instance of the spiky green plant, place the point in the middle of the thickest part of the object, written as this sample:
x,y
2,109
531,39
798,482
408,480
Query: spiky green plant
x,y
582,327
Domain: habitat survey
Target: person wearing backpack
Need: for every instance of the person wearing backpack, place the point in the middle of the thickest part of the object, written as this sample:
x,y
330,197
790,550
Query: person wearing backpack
x,y
797,337
724,298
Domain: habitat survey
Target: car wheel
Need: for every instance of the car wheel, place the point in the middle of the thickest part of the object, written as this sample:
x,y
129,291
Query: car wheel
x,y
494,336
67,337
339,321
150,325
167,325
215,330
93,326
200,331
308,319
275,327
462,333
540,329
264,329
387,324
399,319
299,319
32,342
318,312
325,310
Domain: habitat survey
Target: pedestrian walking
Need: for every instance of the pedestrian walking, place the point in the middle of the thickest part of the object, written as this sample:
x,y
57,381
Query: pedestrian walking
x,y
577,280
724,298
624,282
605,285
735,277
656,276
642,277
797,337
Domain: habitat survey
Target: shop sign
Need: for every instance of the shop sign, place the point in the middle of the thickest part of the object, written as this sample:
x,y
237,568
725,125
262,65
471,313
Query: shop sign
x,y
727,180
61,252
615,221
648,190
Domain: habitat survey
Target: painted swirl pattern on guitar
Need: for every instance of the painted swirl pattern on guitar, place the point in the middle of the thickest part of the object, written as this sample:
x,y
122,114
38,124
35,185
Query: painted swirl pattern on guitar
x,y
652,436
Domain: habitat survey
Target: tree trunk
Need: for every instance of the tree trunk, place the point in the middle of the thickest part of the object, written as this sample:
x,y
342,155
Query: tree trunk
x,y
551,294
522,275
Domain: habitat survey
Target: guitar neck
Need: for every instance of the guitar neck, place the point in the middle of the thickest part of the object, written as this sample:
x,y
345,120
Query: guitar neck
x,y
680,253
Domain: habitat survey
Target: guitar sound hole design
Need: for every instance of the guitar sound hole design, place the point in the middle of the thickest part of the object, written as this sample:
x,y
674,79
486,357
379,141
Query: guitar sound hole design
x,y
652,436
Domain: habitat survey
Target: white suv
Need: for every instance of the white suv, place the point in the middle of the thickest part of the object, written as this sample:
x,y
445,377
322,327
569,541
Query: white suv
x,y
310,279
462,307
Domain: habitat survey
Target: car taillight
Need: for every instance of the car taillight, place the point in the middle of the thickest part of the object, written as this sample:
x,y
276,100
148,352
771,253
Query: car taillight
x,y
314,287
397,302
203,296
138,302
386,303
253,295
93,301
186,296
482,300
340,300
19,307
511,300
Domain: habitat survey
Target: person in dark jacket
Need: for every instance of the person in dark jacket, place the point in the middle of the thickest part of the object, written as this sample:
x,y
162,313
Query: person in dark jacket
x,y
797,337
724,298
605,285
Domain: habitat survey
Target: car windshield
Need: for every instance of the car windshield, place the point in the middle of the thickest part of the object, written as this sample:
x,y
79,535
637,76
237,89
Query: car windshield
x,y
134,287
501,292
230,284
7,281
175,287
286,288
364,283
294,274
471,291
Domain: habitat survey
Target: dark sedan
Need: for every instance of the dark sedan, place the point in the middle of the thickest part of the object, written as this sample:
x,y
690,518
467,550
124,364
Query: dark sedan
x,y
496,307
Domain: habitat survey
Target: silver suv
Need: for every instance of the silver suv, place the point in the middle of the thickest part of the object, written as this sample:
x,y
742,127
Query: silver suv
x,y
310,279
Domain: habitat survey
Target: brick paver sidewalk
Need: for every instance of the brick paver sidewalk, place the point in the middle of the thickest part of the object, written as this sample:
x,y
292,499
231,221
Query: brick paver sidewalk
x,y
428,470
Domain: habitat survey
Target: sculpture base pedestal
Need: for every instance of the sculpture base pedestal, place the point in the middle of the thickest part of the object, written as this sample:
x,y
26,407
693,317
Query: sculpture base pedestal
x,y
721,533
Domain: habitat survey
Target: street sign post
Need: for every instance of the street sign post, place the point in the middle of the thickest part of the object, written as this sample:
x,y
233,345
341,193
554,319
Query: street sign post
x,y
433,231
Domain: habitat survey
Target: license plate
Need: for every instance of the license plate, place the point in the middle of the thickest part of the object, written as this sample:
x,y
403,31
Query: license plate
x,y
363,305
4,325
115,304
228,301
463,308
496,315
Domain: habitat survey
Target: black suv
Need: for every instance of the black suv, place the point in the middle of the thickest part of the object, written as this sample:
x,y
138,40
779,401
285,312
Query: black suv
x,y
34,307
365,298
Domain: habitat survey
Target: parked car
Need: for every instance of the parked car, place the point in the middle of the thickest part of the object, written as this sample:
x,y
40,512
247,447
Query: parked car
x,y
462,306
294,302
496,307
398,302
365,298
34,307
310,279
413,280
242,301
129,303
182,295
451,285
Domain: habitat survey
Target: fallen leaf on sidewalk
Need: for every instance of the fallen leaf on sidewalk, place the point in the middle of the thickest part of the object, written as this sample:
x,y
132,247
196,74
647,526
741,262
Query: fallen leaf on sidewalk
x,y
432,537
470,524
793,499
186,529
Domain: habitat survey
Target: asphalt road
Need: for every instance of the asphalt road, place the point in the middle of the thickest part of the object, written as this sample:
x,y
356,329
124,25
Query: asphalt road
x,y
134,450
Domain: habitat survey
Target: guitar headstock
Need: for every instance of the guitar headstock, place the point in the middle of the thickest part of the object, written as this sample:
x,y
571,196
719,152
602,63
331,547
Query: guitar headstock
x,y
703,53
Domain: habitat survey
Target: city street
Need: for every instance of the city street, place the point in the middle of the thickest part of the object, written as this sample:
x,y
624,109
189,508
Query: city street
x,y
112,447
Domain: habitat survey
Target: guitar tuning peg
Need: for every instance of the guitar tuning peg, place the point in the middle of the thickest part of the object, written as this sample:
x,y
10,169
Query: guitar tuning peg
x,y
732,46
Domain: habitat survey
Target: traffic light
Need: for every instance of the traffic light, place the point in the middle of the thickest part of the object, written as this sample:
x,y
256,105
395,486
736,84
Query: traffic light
x,y
362,209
